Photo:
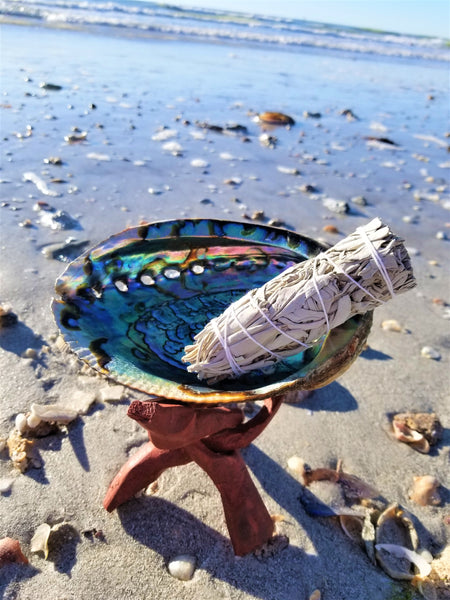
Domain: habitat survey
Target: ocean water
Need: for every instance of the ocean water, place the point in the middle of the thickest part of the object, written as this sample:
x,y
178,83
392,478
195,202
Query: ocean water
x,y
138,18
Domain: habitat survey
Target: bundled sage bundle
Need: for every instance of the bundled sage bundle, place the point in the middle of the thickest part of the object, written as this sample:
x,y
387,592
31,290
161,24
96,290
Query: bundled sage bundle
x,y
294,310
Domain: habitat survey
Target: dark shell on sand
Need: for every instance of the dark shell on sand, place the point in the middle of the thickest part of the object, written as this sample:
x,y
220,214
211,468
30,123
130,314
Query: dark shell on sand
x,y
130,305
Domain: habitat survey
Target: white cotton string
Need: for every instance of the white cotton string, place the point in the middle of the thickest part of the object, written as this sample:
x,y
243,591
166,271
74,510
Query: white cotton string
x,y
316,287
377,258
233,364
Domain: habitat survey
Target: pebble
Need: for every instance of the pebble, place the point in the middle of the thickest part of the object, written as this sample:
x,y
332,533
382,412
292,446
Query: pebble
x,y
182,567
429,352
441,235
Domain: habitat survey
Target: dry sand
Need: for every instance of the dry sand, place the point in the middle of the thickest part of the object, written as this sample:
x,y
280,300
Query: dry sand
x,y
347,420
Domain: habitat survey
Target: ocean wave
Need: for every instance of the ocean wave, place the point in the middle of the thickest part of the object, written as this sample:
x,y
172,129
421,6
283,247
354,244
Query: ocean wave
x,y
217,26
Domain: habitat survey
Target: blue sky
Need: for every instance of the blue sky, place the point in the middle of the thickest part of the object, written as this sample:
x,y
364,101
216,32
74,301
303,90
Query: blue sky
x,y
422,17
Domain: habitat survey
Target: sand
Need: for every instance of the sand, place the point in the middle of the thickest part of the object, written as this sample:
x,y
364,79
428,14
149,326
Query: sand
x,y
121,92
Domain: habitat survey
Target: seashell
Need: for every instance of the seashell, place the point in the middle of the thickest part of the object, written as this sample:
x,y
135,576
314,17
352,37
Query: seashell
x,y
275,118
199,163
39,541
352,527
112,393
296,464
20,450
330,229
164,135
417,429
11,552
316,595
6,484
33,421
182,567
391,325
405,555
53,413
424,491
173,147
20,423
151,281
337,206
288,170
437,585
429,352
368,536
395,528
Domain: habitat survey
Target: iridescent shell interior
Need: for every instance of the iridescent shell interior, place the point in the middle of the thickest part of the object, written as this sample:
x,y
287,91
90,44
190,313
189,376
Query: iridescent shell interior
x,y
130,305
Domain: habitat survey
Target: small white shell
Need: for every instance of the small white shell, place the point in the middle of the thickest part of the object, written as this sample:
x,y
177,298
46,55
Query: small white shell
x,y
296,464
21,423
33,421
182,567
391,325
39,541
199,163
6,484
53,413
429,352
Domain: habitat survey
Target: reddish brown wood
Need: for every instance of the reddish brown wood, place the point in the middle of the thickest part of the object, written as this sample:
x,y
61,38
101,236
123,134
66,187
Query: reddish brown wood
x,y
212,437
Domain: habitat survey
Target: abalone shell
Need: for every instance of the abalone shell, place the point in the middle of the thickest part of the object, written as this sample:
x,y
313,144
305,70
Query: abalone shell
x,y
130,305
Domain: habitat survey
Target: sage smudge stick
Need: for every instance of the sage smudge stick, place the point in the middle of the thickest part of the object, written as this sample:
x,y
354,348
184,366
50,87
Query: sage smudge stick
x,y
294,310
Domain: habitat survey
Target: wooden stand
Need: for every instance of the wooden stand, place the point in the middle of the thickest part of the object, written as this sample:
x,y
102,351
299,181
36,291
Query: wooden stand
x,y
211,437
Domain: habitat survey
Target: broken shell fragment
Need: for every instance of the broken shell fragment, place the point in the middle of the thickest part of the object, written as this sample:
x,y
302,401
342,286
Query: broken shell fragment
x,y
403,556
53,413
20,450
39,541
418,429
391,325
11,552
352,527
182,567
395,528
424,491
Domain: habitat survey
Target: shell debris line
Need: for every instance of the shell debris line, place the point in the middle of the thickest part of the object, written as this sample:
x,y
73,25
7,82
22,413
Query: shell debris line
x,y
301,305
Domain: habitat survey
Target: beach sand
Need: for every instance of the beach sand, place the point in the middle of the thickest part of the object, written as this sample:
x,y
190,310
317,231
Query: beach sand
x,y
122,92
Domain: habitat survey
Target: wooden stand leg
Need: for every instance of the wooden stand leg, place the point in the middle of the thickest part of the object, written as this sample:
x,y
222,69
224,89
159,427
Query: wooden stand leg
x,y
248,521
144,467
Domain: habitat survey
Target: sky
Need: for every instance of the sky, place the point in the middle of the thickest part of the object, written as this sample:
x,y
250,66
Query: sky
x,y
421,17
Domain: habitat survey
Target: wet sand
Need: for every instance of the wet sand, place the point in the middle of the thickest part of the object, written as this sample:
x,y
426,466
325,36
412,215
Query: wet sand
x,y
123,93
